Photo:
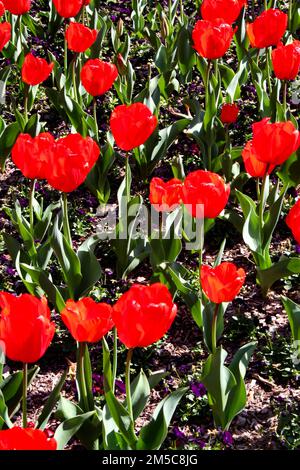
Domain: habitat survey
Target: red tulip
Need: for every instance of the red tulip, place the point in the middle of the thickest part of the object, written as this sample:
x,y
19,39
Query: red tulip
x,y
80,37
17,7
98,77
5,34
26,439
25,327
293,221
255,167
207,189
2,9
212,38
35,70
144,314
87,320
286,61
132,125
222,283
33,155
165,196
68,8
228,10
229,113
73,158
267,29
274,143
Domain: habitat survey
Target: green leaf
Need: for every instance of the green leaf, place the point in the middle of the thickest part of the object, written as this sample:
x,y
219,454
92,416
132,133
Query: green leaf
x,y
68,260
237,398
7,141
251,229
69,428
153,434
140,392
12,388
119,414
285,267
293,311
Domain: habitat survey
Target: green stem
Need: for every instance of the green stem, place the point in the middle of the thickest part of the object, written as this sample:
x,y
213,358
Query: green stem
x,y
95,117
127,382
115,358
65,53
257,189
127,179
263,198
26,95
66,225
266,4
284,101
269,61
31,212
209,63
74,78
290,15
214,329
24,395
81,379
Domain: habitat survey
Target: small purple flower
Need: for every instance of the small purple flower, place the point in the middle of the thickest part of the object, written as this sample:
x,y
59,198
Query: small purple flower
x,y
121,386
297,249
198,389
10,271
227,438
23,201
185,368
179,434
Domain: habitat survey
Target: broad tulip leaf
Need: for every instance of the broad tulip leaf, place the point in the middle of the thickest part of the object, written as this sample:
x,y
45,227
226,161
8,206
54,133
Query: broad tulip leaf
x,y
293,311
285,267
153,434
69,428
12,388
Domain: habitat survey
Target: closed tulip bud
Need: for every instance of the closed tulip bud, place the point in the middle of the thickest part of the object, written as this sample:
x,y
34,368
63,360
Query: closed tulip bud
x,y
5,34
267,29
286,60
120,27
165,30
229,113
222,283
121,65
293,221
18,438
17,7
